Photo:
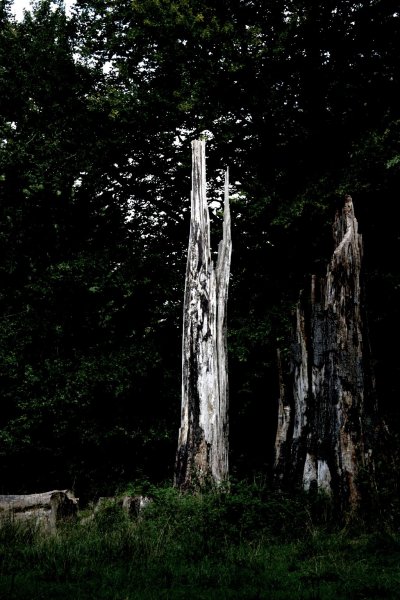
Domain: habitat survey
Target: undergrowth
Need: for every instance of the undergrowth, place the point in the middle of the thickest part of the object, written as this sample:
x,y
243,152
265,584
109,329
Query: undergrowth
x,y
247,544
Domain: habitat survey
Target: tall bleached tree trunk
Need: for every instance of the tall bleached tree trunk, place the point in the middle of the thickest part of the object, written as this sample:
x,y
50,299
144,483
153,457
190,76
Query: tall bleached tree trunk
x,y
202,455
328,399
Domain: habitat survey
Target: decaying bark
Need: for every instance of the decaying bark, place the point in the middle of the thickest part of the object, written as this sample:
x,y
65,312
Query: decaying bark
x,y
202,454
329,397
48,509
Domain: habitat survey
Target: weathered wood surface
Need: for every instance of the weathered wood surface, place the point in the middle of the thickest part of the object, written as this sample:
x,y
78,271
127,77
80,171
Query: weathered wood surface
x,y
323,408
47,508
131,505
202,454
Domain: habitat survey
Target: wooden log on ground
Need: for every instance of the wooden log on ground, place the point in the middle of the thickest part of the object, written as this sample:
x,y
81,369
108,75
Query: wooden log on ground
x,y
132,506
48,508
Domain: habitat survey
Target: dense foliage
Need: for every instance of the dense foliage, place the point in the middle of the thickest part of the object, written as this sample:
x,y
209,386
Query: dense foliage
x,y
96,116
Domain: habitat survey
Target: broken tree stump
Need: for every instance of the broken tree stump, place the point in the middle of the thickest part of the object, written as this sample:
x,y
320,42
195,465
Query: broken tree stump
x,y
328,399
202,455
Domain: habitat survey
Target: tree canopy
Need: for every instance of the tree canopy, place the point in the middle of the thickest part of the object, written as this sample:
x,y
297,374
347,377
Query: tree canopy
x,y
97,112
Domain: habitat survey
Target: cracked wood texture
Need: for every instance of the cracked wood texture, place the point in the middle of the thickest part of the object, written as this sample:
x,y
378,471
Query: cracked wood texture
x,y
202,455
328,397
47,508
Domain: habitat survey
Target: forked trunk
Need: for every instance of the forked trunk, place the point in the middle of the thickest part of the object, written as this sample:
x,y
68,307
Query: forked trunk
x,y
202,455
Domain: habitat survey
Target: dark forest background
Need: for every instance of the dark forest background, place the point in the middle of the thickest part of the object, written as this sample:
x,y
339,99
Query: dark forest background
x,y
97,111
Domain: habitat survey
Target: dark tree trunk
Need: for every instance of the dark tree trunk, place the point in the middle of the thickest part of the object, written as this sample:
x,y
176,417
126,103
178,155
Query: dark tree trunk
x,y
329,398
202,454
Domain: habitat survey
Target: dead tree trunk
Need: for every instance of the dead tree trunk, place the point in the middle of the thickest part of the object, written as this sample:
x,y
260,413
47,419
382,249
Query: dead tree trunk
x,y
321,441
202,455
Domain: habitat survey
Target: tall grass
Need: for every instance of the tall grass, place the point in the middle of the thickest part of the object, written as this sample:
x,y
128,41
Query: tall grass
x,y
246,544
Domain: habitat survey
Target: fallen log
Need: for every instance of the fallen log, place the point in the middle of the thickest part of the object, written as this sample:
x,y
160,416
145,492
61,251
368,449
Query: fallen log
x,y
48,508
131,506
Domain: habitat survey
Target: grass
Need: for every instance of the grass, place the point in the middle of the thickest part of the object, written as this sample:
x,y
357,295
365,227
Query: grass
x,y
248,544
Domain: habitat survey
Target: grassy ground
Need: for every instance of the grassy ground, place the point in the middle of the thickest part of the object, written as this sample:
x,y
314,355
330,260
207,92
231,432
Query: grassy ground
x,y
244,545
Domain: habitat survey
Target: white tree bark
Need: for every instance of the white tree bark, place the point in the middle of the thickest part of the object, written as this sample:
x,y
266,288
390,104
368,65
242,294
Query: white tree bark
x,y
202,455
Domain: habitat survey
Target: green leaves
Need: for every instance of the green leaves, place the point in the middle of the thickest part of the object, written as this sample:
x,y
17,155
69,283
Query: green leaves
x,y
96,116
